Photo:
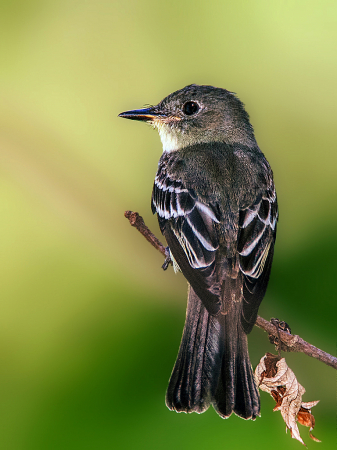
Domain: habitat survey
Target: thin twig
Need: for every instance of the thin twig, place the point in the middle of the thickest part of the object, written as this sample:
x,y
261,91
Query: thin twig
x,y
137,221
295,343
291,343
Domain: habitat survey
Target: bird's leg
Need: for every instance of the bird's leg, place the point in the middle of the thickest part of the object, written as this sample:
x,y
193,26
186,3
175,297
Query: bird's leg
x,y
279,325
168,259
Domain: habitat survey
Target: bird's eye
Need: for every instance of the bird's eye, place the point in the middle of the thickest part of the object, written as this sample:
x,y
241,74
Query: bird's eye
x,y
190,108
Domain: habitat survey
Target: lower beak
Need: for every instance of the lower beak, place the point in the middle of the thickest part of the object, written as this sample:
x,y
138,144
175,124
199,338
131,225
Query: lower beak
x,y
146,114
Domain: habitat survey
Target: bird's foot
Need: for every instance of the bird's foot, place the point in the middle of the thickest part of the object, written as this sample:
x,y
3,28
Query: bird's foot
x,y
279,325
168,259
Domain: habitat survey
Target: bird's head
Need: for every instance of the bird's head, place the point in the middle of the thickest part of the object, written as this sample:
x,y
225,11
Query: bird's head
x,y
196,115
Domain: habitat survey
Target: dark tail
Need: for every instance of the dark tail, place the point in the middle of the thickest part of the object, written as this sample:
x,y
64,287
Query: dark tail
x,y
236,391
196,372
213,365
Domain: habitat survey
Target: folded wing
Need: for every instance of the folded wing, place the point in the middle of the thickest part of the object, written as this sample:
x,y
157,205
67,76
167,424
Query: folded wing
x,y
188,226
257,225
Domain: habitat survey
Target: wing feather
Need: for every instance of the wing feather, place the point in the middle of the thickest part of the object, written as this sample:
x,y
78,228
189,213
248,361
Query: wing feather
x,y
188,225
190,219
256,246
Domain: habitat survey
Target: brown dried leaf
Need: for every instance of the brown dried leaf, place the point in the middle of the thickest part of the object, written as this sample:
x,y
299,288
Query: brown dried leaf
x,y
273,375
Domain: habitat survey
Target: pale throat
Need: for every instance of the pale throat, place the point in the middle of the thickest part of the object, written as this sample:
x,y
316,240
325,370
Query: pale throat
x,y
168,138
169,141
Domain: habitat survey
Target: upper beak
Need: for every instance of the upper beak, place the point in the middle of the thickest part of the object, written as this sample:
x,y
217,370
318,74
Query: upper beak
x,y
146,114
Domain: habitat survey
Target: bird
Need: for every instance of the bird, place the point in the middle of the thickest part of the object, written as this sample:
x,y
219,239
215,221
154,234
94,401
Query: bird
x,y
216,204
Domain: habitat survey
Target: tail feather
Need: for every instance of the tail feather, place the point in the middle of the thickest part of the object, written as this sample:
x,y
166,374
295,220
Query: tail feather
x,y
196,372
213,365
236,390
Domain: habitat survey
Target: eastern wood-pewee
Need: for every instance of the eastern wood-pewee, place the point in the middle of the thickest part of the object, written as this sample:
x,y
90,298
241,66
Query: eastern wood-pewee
x,y
216,204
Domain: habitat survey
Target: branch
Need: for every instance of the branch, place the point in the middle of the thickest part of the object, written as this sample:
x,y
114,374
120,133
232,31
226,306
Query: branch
x,y
289,342
137,221
295,343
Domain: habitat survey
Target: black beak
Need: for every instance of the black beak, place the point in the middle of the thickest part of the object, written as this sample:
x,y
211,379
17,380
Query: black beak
x,y
146,114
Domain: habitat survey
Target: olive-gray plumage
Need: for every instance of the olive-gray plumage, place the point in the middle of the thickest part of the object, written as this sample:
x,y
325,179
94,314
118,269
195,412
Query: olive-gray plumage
x,y
216,204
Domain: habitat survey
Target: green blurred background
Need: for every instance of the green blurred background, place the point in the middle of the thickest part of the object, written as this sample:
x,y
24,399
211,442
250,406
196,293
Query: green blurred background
x,y
90,325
